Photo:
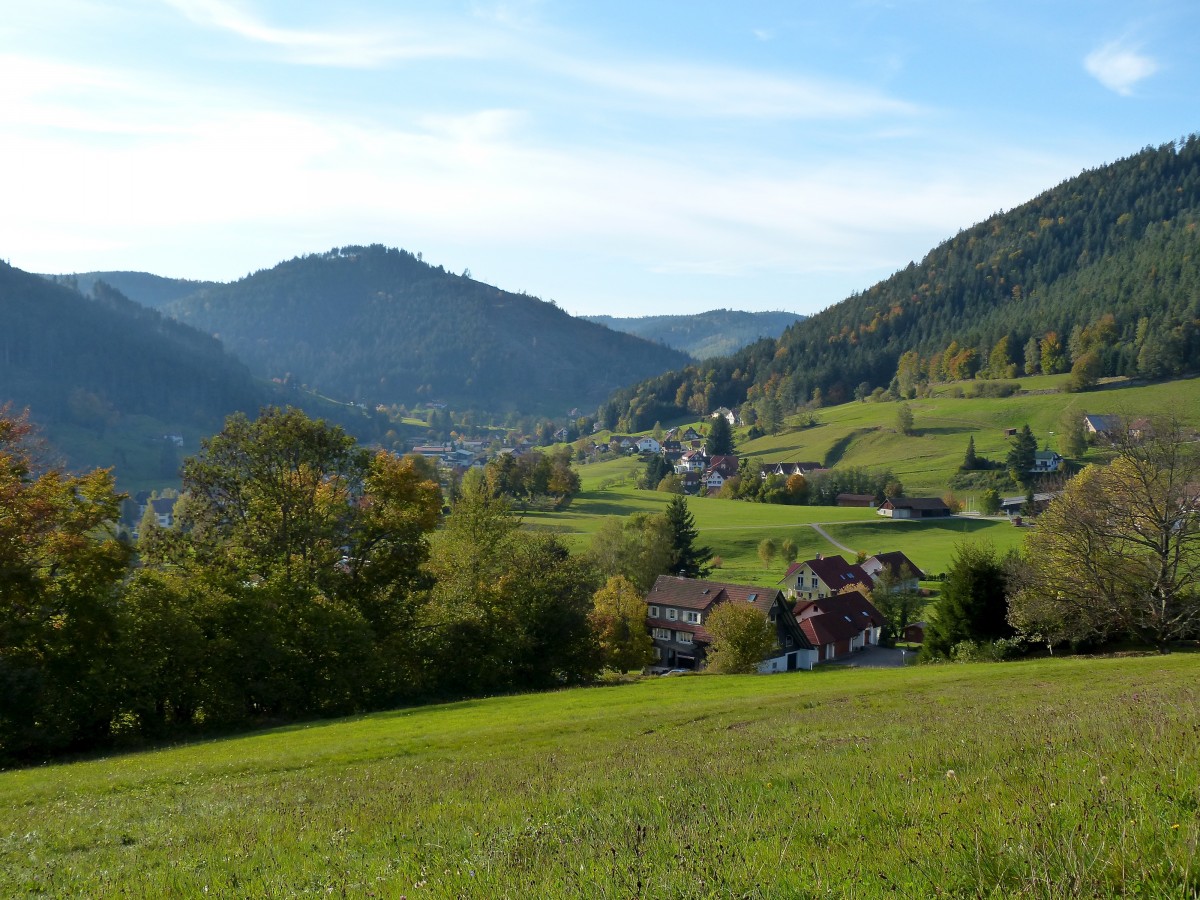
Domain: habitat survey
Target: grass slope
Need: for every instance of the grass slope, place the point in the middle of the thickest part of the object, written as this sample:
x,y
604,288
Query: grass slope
x,y
1051,778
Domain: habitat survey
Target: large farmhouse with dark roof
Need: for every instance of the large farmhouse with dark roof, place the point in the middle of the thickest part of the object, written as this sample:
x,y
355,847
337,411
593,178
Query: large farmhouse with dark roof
x,y
677,609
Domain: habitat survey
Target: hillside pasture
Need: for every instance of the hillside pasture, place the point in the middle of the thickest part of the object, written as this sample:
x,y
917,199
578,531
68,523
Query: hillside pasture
x,y
1041,779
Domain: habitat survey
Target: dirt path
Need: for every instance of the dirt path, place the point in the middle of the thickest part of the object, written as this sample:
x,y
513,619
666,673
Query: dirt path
x,y
825,534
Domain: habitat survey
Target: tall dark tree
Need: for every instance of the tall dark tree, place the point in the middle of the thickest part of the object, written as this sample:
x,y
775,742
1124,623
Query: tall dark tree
x,y
970,460
720,438
687,559
1021,454
972,605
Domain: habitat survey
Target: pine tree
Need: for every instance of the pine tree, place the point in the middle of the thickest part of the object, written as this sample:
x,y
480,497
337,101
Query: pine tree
x,y
687,559
970,461
720,438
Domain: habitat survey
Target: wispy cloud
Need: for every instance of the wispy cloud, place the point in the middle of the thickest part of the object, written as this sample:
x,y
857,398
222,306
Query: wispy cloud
x,y
1119,67
345,48
687,89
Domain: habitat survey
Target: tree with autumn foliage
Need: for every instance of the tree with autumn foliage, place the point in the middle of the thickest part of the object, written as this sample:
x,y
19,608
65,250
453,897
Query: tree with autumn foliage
x,y
61,566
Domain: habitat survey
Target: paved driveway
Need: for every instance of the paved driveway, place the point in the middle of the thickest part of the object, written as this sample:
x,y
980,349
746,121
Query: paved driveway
x,y
878,658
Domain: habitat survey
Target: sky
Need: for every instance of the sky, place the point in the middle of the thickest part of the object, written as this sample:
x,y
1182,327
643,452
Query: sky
x,y
628,158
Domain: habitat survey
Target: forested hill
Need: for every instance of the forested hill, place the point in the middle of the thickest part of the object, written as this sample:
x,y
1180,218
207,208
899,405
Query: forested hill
x,y
89,360
1103,268
717,332
376,325
154,291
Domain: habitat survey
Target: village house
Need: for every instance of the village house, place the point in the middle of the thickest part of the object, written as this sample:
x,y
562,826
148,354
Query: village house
x,y
720,469
1046,461
1101,424
841,624
816,579
903,572
648,445
677,608
728,414
914,508
164,511
691,461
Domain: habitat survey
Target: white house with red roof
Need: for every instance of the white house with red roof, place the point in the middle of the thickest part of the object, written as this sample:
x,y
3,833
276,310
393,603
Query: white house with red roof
x,y
815,579
720,469
677,608
841,624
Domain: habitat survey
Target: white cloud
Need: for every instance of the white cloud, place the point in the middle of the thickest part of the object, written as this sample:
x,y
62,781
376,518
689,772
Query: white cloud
x,y
1119,67
346,48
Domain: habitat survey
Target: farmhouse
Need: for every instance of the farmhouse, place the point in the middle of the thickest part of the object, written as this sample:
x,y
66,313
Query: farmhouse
x,y
866,501
841,624
677,608
720,469
914,508
1046,461
816,579
905,575
1101,424
728,415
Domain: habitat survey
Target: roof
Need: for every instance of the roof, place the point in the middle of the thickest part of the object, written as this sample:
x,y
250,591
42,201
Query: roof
x,y
838,618
834,571
894,562
916,503
726,465
693,593
1102,423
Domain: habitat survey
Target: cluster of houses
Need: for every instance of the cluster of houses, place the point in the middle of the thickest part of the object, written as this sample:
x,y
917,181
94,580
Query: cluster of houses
x,y
821,610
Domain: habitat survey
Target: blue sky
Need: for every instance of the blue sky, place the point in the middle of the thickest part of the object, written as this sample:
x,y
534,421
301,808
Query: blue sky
x,y
620,157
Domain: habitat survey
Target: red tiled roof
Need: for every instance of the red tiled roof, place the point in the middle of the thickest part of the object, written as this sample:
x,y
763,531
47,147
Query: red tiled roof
x,y
837,573
840,617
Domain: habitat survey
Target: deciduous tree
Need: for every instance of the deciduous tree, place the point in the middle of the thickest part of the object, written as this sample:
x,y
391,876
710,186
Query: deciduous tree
x,y
741,638
619,621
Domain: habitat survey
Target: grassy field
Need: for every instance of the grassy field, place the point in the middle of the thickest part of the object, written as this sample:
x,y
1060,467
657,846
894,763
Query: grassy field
x,y
1055,778
734,529
864,434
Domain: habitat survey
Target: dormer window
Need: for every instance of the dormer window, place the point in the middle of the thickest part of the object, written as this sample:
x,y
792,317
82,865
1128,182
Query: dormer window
x,y
654,612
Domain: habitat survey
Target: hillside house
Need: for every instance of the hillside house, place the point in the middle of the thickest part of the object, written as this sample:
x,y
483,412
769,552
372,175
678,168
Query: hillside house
x,y
164,511
1101,424
1045,461
728,414
839,625
914,508
905,574
816,579
720,469
787,469
648,445
691,434
677,608
691,461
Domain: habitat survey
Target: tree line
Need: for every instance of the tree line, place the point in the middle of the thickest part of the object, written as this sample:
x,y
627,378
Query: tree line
x,y
305,576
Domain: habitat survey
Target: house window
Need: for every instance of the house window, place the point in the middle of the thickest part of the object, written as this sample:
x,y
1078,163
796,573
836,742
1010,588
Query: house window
x,y
692,618
662,634
672,614
657,652
684,637
654,612
787,641
814,582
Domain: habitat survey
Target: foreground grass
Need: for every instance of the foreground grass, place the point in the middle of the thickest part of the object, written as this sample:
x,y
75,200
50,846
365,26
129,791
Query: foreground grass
x,y
1039,779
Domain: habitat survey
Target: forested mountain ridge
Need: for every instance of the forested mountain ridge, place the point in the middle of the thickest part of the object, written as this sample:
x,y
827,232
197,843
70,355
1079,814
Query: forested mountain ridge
x,y
1103,268
72,358
717,332
380,325
150,290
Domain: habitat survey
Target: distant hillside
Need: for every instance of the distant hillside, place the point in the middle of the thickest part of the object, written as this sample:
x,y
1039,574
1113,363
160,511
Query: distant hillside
x,y
717,332
88,367
141,287
379,325
1101,273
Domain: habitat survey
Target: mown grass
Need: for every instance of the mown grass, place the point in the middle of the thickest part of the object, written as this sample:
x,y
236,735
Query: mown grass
x,y
1056,778
864,434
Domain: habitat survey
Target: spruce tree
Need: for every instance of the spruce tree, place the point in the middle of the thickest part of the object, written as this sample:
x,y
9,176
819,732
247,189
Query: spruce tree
x,y
687,559
720,438
970,461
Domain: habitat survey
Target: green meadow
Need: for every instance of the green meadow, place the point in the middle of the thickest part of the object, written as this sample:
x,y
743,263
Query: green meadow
x,y
1050,778
865,435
